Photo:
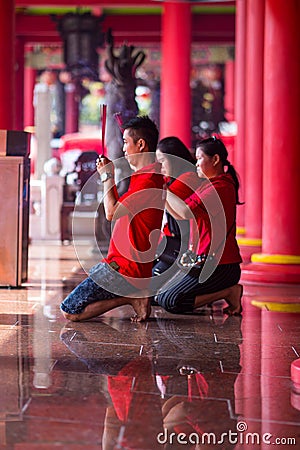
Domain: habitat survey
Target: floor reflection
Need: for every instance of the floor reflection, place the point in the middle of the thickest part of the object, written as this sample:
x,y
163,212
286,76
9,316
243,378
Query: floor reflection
x,y
199,381
174,382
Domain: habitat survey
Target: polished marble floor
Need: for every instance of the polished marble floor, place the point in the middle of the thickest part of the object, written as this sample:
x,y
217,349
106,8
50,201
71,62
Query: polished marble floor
x,y
201,381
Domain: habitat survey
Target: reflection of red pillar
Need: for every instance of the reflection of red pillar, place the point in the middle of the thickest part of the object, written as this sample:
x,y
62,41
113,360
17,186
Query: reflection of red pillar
x,y
175,116
247,386
280,257
276,357
72,110
239,157
7,72
254,117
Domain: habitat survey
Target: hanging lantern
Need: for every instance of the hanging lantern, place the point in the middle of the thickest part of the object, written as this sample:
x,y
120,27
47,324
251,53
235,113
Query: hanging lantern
x,y
82,36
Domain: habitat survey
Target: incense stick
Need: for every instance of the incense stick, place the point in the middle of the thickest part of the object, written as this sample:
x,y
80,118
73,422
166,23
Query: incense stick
x,y
118,118
104,108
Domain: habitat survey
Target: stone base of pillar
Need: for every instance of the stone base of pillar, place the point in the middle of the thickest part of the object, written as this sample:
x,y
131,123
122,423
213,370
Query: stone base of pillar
x,y
248,247
271,273
240,231
247,251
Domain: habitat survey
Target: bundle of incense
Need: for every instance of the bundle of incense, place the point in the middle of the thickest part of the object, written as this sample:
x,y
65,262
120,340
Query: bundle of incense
x,y
118,118
104,108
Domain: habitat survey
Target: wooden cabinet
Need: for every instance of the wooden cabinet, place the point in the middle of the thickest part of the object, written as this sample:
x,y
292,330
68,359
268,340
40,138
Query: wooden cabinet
x,y
14,219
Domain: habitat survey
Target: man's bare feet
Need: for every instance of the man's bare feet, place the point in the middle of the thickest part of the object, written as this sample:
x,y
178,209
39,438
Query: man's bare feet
x,y
142,307
234,300
72,317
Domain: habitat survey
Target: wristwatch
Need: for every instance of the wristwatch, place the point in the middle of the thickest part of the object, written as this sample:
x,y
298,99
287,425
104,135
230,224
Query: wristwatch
x,y
106,176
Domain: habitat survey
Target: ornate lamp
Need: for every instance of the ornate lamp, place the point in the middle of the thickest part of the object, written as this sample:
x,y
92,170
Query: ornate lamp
x,y
81,35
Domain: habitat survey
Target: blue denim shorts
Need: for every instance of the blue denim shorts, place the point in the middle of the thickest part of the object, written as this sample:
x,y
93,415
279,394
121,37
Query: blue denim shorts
x,y
103,283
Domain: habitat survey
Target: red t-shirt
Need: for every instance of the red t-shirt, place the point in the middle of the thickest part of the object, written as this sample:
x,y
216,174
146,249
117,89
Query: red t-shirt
x,y
214,207
135,236
185,184
183,187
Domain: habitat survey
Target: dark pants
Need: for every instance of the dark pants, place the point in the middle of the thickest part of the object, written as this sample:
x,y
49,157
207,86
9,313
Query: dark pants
x,y
103,283
180,297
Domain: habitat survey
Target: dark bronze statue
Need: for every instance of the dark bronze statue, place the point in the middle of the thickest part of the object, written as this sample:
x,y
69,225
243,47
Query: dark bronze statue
x,y
120,98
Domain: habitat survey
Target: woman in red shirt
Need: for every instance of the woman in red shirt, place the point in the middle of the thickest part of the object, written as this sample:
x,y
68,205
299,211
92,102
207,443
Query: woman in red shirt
x,y
179,171
213,208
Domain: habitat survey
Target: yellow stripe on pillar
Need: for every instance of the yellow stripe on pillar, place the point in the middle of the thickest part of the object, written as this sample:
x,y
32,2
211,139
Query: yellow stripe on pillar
x,y
275,259
278,307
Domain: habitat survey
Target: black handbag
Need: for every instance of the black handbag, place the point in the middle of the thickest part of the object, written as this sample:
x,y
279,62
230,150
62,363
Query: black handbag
x,y
192,263
171,249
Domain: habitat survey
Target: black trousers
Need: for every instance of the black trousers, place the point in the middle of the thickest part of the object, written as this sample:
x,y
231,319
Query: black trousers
x,y
180,297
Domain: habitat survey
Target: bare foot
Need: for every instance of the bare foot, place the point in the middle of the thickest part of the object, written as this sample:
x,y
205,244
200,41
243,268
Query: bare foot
x,y
142,307
72,317
234,300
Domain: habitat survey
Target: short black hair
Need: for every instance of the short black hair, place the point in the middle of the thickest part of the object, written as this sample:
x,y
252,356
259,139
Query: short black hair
x,y
215,146
142,127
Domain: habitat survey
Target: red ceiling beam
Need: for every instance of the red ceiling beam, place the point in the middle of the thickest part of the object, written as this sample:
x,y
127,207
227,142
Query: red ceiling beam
x,y
84,3
108,3
215,28
205,28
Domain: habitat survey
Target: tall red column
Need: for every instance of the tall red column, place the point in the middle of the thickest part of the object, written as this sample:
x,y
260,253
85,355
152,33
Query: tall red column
x,y
175,118
254,119
72,109
7,70
19,90
280,257
281,214
229,138
239,157
29,83
229,90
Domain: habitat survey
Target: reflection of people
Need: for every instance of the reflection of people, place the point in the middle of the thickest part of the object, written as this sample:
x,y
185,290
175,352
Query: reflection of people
x,y
177,166
189,293
133,415
133,408
175,385
193,389
137,215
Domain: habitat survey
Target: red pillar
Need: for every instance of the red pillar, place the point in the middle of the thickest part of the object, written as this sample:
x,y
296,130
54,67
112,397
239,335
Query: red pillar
x,y
29,83
281,129
229,139
239,157
19,79
175,118
72,109
254,119
280,257
7,70
229,90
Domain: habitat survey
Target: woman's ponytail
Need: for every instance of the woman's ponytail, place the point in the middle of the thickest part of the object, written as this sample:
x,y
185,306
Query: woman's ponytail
x,y
231,170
